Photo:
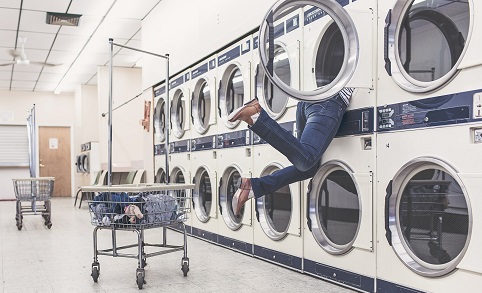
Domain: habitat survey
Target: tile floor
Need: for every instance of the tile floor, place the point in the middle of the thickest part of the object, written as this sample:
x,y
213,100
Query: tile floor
x,y
36,259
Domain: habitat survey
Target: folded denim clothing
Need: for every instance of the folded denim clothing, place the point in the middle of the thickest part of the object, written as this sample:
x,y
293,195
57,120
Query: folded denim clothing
x,y
160,208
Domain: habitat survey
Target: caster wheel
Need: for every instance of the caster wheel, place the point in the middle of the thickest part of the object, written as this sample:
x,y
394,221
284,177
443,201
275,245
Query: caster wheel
x,y
140,278
49,225
19,227
95,274
185,266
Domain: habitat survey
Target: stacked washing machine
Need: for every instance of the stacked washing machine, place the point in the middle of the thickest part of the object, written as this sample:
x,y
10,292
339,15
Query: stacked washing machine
x,y
180,132
277,225
430,135
339,50
204,213
234,159
160,124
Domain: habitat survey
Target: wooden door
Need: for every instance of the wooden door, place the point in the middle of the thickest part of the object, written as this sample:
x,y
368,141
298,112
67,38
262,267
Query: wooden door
x,y
54,157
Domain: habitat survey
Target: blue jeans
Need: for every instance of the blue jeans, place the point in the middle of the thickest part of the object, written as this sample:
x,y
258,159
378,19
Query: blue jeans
x,y
316,124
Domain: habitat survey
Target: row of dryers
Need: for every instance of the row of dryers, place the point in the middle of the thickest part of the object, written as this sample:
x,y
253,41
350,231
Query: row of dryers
x,y
393,207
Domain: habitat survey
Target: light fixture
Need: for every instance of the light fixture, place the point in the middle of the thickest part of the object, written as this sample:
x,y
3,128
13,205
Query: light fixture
x,y
63,19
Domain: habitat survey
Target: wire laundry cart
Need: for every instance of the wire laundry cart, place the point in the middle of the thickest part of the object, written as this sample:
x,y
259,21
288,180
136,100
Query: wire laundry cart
x,y
137,208
33,191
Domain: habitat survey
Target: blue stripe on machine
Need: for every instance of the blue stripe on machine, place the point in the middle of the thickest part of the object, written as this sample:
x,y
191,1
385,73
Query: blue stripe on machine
x,y
235,244
177,82
316,13
212,64
278,257
159,91
387,287
200,70
279,30
292,23
255,42
230,55
246,47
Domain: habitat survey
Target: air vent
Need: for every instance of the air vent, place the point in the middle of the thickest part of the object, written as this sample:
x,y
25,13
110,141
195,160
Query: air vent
x,y
63,19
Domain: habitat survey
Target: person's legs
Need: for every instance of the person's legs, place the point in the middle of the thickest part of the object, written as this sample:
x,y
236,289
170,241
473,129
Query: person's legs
x,y
318,124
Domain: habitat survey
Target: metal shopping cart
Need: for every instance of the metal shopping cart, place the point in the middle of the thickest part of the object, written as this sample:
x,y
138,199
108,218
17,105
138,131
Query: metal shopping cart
x,y
137,208
33,191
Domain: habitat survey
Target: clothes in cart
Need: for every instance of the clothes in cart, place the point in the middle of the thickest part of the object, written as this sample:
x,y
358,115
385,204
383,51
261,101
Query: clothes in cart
x,y
160,208
110,207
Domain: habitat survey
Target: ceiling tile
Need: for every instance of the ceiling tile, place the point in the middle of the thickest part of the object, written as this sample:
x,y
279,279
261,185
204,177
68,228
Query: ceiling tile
x,y
4,55
51,5
34,21
21,84
5,75
46,86
90,7
7,39
9,18
85,68
126,60
50,77
25,76
94,59
69,43
28,68
5,68
10,3
119,28
36,55
37,40
4,84
61,57
57,69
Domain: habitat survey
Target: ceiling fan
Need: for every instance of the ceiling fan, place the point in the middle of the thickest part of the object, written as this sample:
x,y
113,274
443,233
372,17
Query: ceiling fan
x,y
21,57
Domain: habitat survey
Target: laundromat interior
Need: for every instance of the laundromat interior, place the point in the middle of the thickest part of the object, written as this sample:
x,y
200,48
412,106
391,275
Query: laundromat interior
x,y
119,164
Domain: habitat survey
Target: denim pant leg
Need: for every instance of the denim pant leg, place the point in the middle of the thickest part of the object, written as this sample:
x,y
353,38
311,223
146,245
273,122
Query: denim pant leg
x,y
317,124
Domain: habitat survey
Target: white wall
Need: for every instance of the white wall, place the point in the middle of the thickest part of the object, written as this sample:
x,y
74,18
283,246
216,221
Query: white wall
x,y
51,110
189,30
127,133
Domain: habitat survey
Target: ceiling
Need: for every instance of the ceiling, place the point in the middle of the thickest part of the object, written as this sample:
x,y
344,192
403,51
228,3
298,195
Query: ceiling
x,y
78,50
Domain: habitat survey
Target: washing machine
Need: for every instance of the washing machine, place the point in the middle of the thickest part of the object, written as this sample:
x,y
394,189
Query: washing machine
x,y
90,161
180,132
427,193
235,160
234,82
159,123
204,212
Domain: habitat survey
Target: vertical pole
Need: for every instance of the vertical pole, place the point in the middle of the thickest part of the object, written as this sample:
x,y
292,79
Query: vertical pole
x,y
168,120
109,131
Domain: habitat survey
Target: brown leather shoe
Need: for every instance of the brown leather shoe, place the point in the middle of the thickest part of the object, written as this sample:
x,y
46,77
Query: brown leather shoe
x,y
242,195
245,112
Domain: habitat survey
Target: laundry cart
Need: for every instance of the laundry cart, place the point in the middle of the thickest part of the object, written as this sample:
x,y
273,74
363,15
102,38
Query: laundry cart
x,y
137,208
35,194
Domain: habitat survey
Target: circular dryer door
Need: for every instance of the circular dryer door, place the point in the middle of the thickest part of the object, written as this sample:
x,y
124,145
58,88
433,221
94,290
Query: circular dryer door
x,y
276,209
179,176
160,176
425,42
178,113
429,217
78,164
203,194
231,93
202,102
334,207
275,100
330,46
85,163
160,120
227,188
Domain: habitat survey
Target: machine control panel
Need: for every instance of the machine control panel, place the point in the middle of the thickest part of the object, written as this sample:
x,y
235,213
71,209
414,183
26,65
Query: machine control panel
x,y
181,146
203,143
159,149
436,111
356,122
233,139
288,126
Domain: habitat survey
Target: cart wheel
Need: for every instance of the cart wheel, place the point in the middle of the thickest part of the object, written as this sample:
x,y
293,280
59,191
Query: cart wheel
x,y
19,227
185,266
140,278
95,274
49,225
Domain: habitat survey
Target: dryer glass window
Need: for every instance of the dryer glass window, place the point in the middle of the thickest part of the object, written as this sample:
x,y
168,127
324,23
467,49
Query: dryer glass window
x,y
432,37
202,105
330,56
160,120
338,208
433,216
275,99
276,209
231,190
178,177
205,194
178,113
235,91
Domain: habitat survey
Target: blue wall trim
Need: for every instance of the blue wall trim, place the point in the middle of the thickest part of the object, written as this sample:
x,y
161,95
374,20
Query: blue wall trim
x,y
387,287
235,244
278,257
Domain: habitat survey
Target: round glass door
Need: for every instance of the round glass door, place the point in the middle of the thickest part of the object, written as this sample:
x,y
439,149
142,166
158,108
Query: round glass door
x,y
427,40
275,209
334,208
330,43
79,164
178,113
231,93
429,217
227,189
160,120
203,194
85,163
274,99
177,176
201,106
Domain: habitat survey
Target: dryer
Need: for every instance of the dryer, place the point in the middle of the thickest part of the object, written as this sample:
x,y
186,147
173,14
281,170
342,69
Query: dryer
x,y
160,122
204,213
427,198
234,82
